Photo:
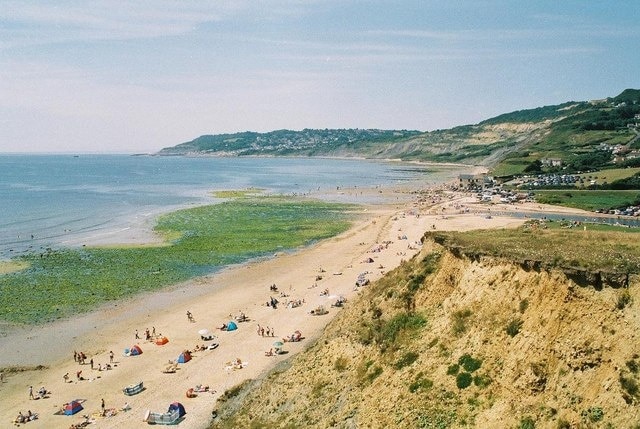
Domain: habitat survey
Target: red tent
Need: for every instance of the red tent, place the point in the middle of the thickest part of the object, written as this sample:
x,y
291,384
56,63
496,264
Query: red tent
x,y
72,407
162,341
135,350
184,357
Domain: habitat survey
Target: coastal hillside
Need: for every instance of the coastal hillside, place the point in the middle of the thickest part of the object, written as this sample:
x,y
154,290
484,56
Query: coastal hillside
x,y
460,337
507,144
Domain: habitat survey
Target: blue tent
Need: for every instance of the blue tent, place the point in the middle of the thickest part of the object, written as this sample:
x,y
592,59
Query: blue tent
x,y
72,407
184,357
134,350
177,406
231,326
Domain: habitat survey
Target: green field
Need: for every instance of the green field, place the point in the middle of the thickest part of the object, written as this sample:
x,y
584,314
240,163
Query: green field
x,y
59,283
588,200
609,175
597,248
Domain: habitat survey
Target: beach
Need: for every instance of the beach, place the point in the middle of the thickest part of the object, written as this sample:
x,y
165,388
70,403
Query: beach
x,y
382,237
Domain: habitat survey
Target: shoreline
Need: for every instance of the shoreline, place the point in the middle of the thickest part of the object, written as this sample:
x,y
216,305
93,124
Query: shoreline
x,y
387,233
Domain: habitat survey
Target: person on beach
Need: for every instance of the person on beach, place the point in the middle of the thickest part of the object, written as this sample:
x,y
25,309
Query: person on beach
x,y
66,377
111,356
103,409
91,363
31,393
137,336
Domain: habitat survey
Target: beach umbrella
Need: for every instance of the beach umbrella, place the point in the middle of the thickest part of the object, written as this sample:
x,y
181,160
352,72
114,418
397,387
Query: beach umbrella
x,y
278,344
204,332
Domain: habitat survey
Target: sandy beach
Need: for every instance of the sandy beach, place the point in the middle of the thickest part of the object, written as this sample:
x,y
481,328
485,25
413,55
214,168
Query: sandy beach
x,y
385,234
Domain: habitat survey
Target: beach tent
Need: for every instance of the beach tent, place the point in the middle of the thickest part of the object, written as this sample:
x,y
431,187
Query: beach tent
x,y
72,407
231,326
184,357
162,341
177,406
135,350
205,334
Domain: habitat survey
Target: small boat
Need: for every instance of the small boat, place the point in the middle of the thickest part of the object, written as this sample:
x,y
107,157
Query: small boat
x,y
133,389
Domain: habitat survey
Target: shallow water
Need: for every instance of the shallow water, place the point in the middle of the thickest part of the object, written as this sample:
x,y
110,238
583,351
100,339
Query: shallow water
x,y
66,200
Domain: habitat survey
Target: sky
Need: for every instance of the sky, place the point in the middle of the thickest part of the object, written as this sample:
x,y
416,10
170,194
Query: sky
x,y
137,76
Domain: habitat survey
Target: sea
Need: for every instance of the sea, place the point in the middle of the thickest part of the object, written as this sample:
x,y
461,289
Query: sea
x,y
52,201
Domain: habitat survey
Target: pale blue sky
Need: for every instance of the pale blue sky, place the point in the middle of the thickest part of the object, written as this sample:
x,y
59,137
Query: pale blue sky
x,y
136,76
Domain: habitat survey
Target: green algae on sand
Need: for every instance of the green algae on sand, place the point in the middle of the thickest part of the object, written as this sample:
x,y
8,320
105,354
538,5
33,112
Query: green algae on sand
x,y
60,283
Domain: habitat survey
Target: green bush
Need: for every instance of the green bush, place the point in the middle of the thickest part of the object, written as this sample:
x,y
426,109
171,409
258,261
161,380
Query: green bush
x,y
593,414
527,423
340,364
629,385
375,372
469,363
406,360
514,326
401,322
460,321
420,383
482,381
453,369
624,299
463,380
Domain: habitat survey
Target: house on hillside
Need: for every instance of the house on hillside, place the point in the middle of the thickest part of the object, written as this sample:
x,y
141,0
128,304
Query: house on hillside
x,y
475,181
551,162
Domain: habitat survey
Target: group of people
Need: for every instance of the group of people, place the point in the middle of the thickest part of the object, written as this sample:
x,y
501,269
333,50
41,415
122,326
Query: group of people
x,y
41,394
79,357
270,332
24,418
148,335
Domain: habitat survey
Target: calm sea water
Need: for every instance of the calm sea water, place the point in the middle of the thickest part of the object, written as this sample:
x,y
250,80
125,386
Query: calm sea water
x,y
54,200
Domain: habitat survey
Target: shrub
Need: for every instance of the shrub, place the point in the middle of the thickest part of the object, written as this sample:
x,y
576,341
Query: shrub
x,y
593,414
340,364
415,282
375,372
401,322
527,423
406,360
624,299
629,385
453,369
469,363
460,321
633,366
513,328
463,380
524,304
482,381
420,383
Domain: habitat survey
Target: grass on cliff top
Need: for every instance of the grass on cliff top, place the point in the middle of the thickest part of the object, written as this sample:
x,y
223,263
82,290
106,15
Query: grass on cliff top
x,y
60,283
599,247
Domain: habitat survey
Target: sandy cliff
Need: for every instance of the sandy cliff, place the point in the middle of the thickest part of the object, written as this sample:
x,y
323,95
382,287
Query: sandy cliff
x,y
451,341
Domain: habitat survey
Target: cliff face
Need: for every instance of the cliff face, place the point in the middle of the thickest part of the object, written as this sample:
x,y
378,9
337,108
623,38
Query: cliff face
x,y
448,341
